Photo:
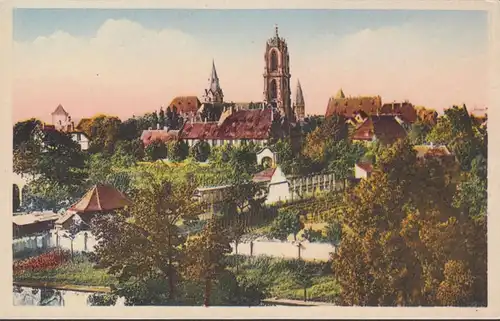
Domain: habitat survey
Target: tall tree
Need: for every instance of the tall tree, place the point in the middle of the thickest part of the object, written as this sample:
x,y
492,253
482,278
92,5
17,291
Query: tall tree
x,y
400,232
285,224
200,151
144,240
205,256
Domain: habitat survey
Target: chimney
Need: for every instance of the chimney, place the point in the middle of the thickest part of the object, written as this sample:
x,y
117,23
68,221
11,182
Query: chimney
x,y
157,125
165,128
150,128
72,125
272,115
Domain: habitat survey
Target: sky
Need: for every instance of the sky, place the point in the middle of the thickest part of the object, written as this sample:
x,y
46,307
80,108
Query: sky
x,y
126,62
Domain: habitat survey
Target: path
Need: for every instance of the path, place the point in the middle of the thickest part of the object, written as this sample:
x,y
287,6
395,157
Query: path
x,y
289,250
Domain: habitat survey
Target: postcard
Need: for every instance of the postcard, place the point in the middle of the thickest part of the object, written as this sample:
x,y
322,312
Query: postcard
x,y
250,161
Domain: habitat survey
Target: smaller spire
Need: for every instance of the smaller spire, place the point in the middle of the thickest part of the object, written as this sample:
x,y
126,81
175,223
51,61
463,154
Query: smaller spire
x,y
340,94
299,96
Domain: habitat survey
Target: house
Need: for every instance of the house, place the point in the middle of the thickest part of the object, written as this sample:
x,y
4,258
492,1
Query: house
x,y
61,121
356,109
233,128
439,152
363,170
33,223
385,129
99,199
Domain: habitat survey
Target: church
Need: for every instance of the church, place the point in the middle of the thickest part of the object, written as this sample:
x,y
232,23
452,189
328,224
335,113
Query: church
x,y
219,123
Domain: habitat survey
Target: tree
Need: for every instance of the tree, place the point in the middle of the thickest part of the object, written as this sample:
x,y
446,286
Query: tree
x,y
156,150
400,231
418,132
161,117
205,255
341,156
286,223
129,130
104,132
177,150
143,242
290,164
200,151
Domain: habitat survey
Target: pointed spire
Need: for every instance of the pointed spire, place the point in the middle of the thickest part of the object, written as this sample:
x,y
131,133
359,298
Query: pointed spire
x,y
340,94
299,96
214,79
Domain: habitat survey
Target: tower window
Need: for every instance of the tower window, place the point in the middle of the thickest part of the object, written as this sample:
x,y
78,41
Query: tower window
x,y
273,90
274,60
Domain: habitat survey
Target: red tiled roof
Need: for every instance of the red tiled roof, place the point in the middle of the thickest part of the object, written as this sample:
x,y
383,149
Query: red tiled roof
x,y
185,104
241,124
200,131
367,167
149,136
349,106
265,175
385,128
100,198
404,110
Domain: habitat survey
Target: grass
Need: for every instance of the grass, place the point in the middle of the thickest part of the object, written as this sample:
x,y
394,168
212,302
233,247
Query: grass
x,y
78,272
281,278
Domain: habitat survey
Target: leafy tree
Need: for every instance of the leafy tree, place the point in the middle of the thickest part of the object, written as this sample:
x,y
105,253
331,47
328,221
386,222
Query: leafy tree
x,y
341,156
129,152
290,164
334,232
418,132
205,255
23,131
161,117
104,132
130,130
143,242
156,150
200,151
286,223
42,194
177,150
400,232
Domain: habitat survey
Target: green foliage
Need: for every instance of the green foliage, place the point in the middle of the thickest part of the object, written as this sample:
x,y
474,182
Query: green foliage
x,y
334,232
155,150
285,224
341,156
204,256
99,299
418,132
290,164
104,133
200,151
177,151
145,239
313,235
399,231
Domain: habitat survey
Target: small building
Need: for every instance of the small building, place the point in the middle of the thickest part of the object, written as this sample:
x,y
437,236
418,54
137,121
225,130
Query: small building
x,y
100,199
266,157
363,170
385,129
33,223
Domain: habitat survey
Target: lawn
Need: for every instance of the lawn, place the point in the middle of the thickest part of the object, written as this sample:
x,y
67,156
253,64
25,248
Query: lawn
x,y
278,278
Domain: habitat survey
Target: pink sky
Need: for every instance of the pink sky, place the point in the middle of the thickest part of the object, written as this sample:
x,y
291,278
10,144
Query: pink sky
x,y
127,69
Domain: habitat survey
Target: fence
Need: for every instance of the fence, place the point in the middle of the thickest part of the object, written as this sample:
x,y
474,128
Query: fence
x,y
83,242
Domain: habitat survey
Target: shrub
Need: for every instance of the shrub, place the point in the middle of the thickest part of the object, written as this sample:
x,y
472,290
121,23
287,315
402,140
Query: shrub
x,y
49,260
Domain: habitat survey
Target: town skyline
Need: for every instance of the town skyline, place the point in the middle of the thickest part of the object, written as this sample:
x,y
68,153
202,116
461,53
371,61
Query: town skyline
x,y
121,62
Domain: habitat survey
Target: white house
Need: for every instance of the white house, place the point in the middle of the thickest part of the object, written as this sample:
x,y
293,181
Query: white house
x,y
363,170
81,138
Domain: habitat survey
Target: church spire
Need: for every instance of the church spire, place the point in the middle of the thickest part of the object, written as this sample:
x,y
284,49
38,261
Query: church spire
x,y
299,96
299,104
214,92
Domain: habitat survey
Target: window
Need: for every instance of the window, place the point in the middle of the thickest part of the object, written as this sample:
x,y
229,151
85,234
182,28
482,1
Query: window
x,y
274,60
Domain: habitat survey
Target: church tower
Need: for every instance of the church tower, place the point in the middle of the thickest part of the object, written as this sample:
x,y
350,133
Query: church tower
x,y
299,104
214,93
277,76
